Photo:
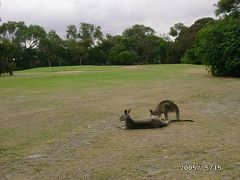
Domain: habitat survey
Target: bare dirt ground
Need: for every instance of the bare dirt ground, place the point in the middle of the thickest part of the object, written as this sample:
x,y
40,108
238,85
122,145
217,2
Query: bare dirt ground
x,y
89,146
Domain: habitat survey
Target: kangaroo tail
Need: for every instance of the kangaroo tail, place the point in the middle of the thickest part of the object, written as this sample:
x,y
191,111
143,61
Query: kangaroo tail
x,y
181,121
177,112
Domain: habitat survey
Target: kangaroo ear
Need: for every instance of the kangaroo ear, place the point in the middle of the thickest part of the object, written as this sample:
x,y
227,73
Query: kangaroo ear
x,y
125,111
129,111
151,111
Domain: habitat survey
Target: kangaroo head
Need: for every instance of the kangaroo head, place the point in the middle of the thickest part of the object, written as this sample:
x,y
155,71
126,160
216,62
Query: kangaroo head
x,y
125,116
153,114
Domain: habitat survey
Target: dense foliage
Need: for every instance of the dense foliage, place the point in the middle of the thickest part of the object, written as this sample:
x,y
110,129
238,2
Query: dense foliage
x,y
228,7
218,47
182,48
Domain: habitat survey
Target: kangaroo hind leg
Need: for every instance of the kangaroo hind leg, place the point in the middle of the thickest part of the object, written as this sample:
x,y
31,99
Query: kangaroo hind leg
x,y
166,115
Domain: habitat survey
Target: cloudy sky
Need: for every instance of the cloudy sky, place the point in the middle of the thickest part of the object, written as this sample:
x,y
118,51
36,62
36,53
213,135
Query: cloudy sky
x,y
112,15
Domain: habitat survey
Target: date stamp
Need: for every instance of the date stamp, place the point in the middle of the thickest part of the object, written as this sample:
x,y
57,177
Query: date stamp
x,y
213,167
200,167
190,167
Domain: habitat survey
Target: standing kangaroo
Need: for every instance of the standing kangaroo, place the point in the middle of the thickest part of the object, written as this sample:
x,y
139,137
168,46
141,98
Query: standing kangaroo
x,y
165,107
145,124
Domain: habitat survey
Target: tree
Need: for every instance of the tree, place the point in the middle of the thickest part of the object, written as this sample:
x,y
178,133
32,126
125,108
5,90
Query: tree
x,y
186,39
72,33
74,50
10,50
57,47
75,53
228,7
51,50
80,43
8,30
30,38
176,29
90,34
136,39
190,57
111,47
155,49
6,67
218,47
97,56
127,57
160,52
116,50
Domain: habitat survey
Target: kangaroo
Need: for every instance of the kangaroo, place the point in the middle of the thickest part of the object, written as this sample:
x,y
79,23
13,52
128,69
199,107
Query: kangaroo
x,y
145,124
165,107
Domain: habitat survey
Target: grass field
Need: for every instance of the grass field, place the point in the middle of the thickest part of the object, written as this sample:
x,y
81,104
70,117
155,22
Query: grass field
x,y
59,123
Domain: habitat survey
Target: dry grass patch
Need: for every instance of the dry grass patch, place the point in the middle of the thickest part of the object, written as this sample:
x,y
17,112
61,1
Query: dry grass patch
x,y
62,132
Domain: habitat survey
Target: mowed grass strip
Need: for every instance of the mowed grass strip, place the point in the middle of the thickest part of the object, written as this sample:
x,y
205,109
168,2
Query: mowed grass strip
x,y
55,78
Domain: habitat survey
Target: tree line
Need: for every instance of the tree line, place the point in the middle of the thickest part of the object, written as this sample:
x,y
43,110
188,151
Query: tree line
x,y
207,41
31,46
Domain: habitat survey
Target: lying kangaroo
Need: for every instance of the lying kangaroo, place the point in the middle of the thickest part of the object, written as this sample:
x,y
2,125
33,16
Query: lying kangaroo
x,y
144,124
165,107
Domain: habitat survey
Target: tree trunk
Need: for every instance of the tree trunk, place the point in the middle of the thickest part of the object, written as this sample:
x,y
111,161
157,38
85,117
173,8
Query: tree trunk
x,y
60,63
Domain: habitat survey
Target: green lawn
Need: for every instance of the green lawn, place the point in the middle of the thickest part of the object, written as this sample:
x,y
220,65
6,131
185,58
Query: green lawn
x,y
58,123
89,76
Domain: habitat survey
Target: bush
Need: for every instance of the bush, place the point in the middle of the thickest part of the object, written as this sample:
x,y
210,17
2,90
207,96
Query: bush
x,y
127,57
190,57
6,67
218,47
123,58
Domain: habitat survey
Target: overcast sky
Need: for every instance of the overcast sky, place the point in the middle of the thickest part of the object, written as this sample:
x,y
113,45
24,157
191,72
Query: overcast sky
x,y
112,15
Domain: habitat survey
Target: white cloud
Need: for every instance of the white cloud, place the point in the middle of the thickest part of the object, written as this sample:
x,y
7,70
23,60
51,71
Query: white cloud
x,y
112,15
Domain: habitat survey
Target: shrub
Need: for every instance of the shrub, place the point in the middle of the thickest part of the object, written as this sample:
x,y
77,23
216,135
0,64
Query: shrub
x,y
218,47
190,57
6,67
127,57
